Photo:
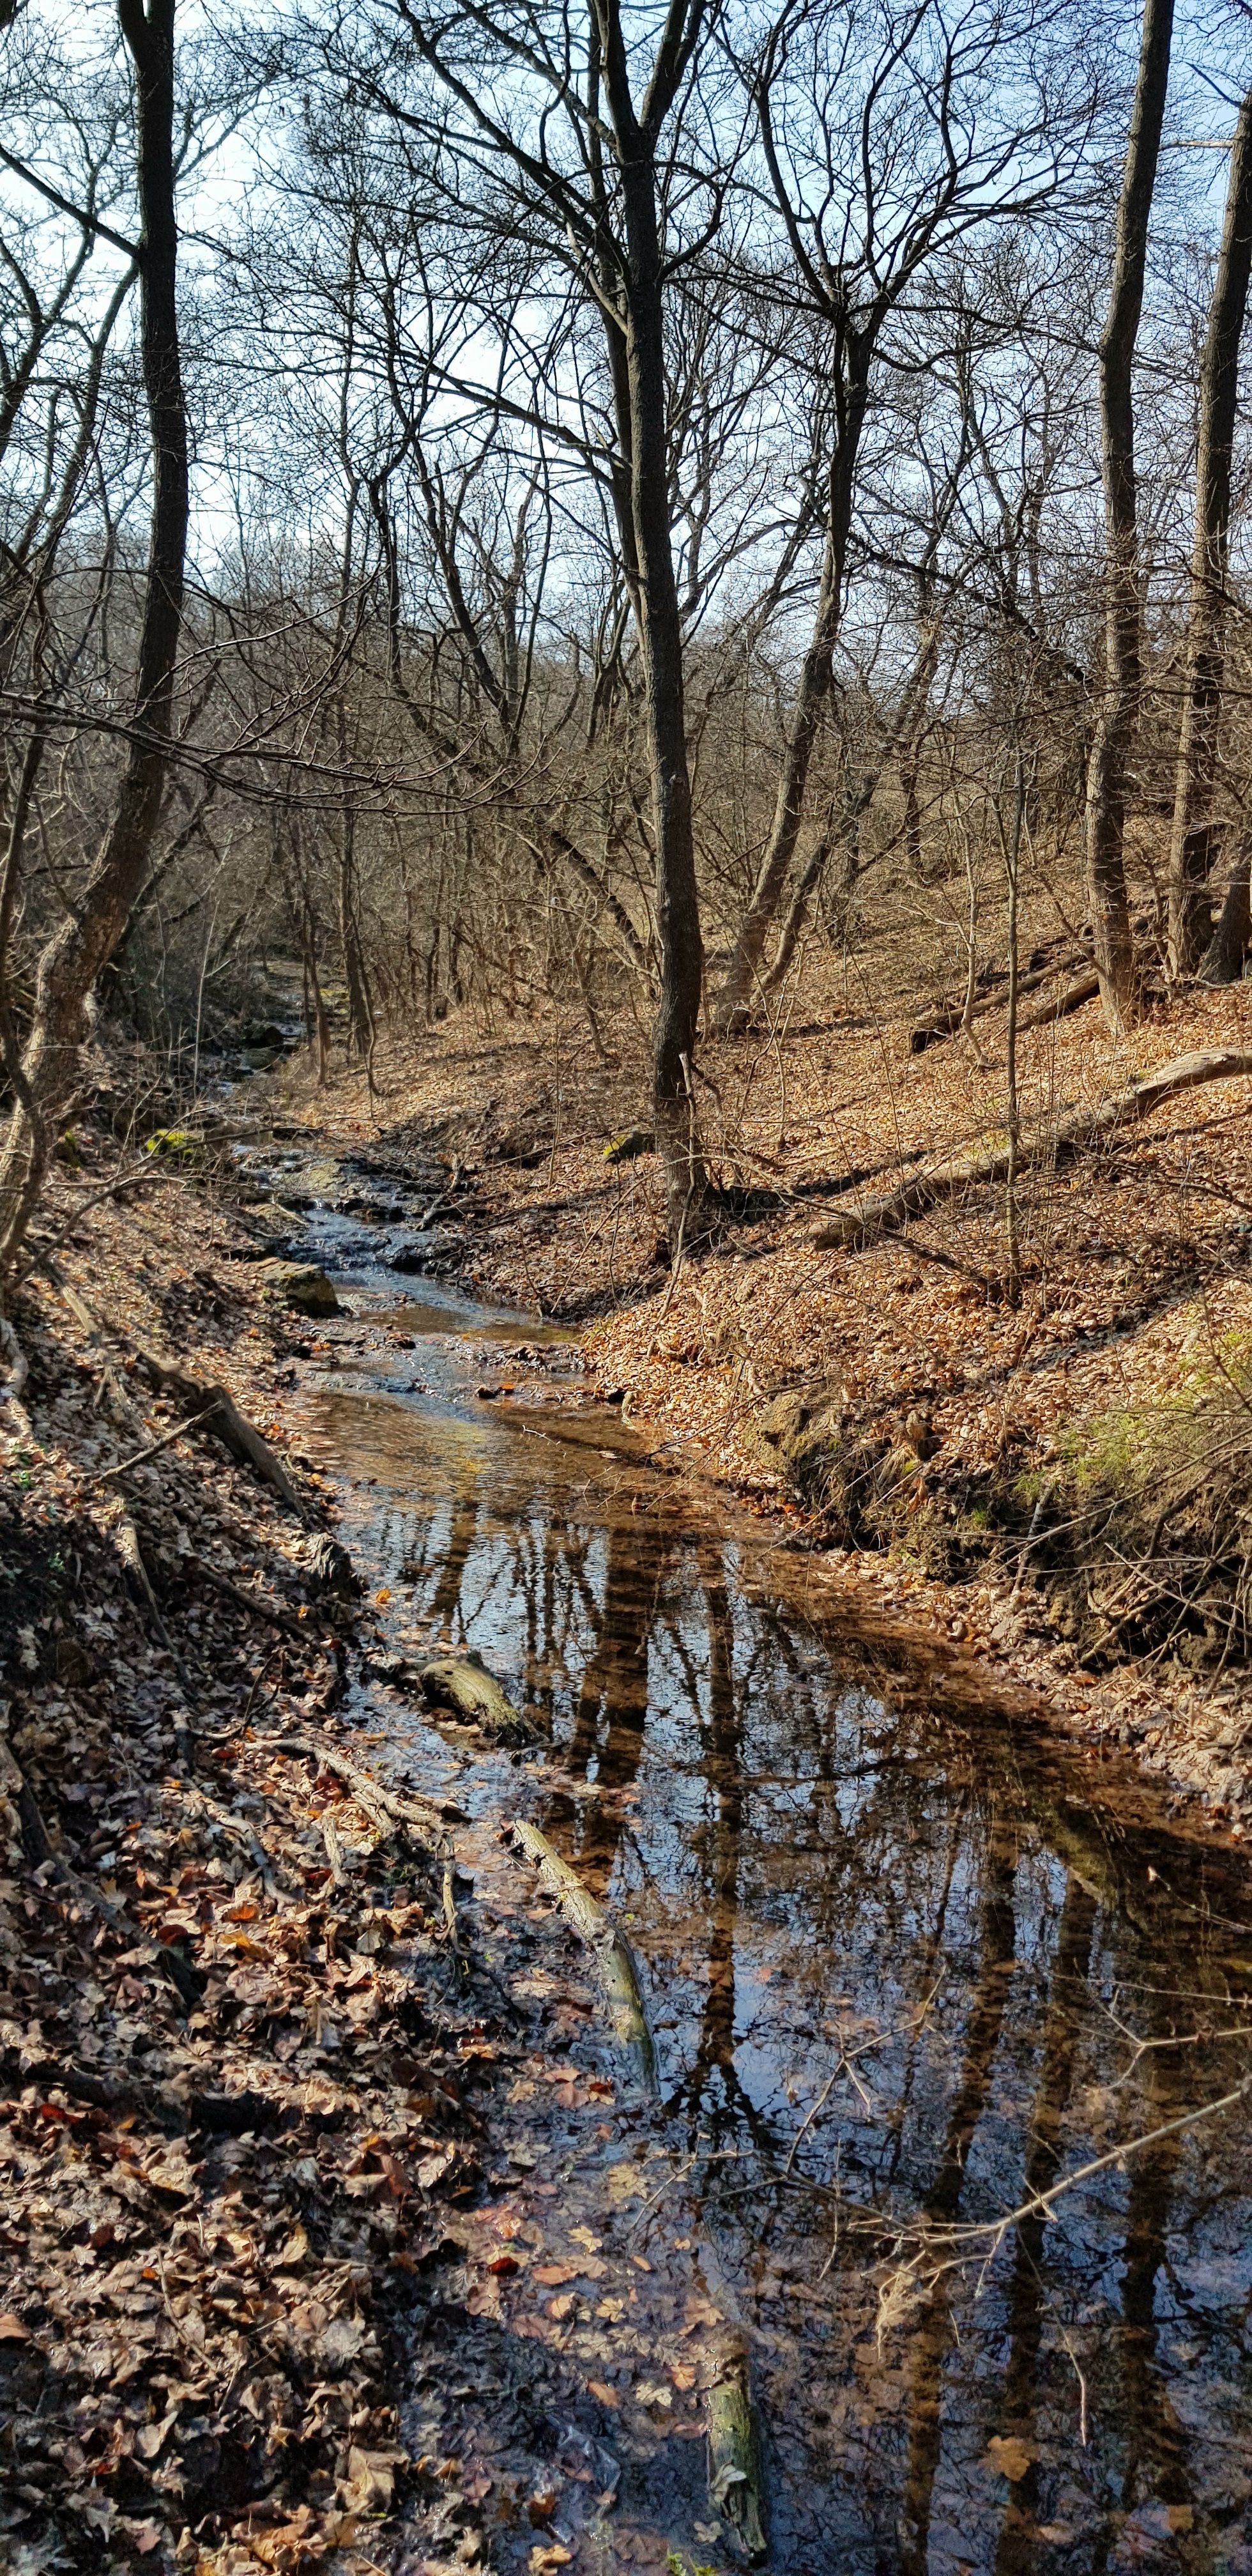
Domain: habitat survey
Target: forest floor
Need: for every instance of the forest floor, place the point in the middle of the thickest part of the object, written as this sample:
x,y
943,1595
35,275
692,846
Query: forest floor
x,y
318,2174
985,1468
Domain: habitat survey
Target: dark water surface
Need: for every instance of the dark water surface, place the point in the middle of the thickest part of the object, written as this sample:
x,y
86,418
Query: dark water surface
x,y
906,1967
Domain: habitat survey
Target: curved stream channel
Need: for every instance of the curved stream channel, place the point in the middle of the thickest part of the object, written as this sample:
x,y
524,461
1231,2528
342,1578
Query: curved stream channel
x,y
904,1965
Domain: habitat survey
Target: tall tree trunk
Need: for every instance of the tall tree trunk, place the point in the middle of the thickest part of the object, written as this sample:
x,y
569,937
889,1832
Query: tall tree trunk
x,y
1193,841
813,689
661,648
1118,718
76,955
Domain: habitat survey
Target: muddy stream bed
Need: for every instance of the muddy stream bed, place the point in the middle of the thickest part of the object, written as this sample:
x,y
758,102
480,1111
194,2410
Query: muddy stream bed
x,y
905,1965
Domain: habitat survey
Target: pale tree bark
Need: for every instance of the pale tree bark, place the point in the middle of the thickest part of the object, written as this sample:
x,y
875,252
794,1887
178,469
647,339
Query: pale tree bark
x,y
1193,839
1118,717
45,1079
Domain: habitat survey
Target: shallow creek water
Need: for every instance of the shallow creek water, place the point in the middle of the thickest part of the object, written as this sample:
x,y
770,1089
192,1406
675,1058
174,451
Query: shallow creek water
x,y
906,1966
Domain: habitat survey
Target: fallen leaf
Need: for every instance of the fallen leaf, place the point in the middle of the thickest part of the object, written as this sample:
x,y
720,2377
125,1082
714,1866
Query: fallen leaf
x,y
563,2307
12,2330
1008,2456
608,2396
553,2274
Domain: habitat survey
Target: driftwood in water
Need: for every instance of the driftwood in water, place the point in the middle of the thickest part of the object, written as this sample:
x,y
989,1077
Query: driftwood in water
x,y
614,1958
1051,1143
734,2462
462,1685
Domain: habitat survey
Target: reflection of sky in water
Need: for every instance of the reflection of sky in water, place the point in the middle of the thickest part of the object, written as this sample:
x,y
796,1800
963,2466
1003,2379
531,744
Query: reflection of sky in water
x,y
809,1870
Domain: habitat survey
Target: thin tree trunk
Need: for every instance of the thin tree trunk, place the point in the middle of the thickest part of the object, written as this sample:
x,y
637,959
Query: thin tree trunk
x,y
1193,841
1118,718
76,955
812,692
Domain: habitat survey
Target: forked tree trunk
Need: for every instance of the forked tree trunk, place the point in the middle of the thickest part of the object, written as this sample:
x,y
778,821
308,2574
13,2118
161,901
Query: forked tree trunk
x,y
1193,842
1118,718
77,954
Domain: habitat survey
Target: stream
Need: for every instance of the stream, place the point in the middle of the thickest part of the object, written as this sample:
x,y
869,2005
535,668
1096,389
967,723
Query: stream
x,y
906,1966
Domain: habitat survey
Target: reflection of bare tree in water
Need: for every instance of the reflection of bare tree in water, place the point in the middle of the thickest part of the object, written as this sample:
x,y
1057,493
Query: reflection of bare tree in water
x,y
444,1602
936,2326
723,1772
1155,2452
612,1708
1062,2033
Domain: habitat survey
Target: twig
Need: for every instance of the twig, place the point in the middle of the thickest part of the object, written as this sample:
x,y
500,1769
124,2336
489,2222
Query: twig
x,y
141,1456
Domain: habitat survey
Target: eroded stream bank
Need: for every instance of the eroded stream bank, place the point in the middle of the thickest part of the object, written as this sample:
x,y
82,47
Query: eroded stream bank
x,y
906,1964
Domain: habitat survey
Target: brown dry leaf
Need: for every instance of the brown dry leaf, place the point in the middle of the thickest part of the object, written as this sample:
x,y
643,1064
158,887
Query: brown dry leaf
x,y
553,2275
1008,2456
608,2396
12,2330
370,2483
563,2307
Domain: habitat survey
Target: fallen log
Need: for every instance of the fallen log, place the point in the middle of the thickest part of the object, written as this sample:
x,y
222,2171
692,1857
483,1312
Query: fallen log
x,y
946,1023
611,1951
734,2463
1051,1143
1072,999
462,1685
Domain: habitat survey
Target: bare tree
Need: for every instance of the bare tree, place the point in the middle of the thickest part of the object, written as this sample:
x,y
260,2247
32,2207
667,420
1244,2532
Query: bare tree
x,y
1118,717
1193,837
880,154
45,1075
605,173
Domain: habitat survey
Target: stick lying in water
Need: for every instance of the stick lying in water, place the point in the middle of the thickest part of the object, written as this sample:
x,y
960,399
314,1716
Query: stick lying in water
x,y
614,1958
734,2466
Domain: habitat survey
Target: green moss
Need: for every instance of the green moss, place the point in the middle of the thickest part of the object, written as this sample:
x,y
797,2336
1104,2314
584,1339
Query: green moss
x,y
177,1144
